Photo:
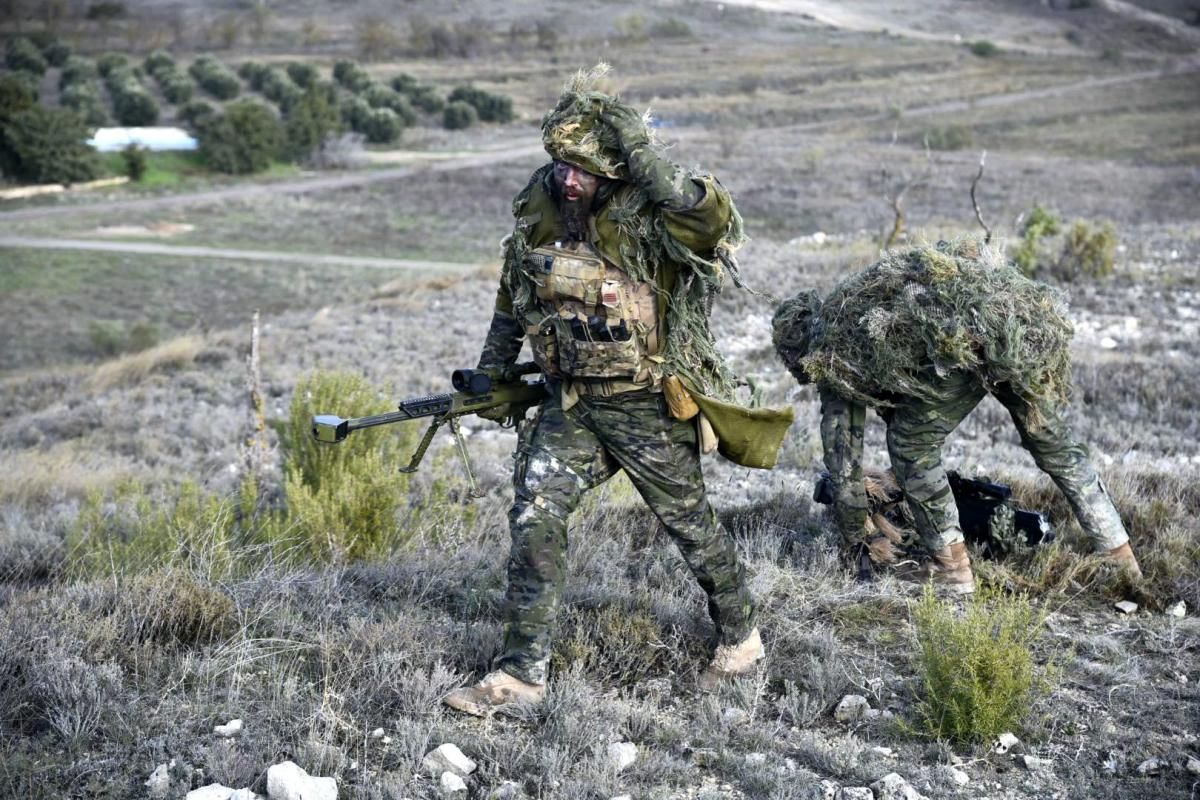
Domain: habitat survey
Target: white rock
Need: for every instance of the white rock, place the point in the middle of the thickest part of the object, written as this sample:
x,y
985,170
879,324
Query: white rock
x,y
448,758
452,784
856,793
894,787
1038,765
1178,610
214,791
877,713
245,794
386,740
734,716
1005,743
828,790
622,797
287,781
158,785
377,733
508,790
622,755
1152,766
886,752
230,729
1193,765
1126,606
756,759
957,776
819,237
1108,343
851,707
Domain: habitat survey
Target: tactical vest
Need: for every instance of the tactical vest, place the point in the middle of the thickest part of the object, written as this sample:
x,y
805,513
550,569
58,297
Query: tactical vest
x,y
593,325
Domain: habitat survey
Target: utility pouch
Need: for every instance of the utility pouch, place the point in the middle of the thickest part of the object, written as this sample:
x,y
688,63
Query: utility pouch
x,y
591,358
544,345
566,275
679,400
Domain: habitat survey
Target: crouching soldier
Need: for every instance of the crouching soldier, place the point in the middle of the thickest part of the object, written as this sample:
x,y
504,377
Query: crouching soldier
x,y
922,336
609,275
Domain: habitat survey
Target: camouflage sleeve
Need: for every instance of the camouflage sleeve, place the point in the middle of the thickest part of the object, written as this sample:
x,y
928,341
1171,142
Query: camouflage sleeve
x,y
705,224
666,183
503,342
842,424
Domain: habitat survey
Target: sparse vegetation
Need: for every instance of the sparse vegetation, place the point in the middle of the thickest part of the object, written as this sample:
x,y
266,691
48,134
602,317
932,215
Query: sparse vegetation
x,y
490,107
983,48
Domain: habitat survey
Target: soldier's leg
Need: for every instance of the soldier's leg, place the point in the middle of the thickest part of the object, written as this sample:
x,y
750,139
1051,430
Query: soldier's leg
x,y
916,432
1047,437
661,458
556,461
842,425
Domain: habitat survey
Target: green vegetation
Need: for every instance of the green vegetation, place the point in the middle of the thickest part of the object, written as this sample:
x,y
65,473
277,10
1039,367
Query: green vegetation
x,y
309,122
132,104
948,137
42,145
459,115
983,48
977,669
22,55
351,76
244,139
1086,251
134,161
491,107
1038,225
215,78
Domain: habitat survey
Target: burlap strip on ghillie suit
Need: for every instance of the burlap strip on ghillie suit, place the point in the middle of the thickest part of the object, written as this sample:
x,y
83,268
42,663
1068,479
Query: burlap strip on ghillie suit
x,y
891,330
573,132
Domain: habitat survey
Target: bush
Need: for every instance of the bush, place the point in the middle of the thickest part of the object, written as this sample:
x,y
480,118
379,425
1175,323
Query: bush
x,y
671,28
215,78
16,94
459,115
423,96
196,114
343,501
41,145
110,61
490,107
950,137
83,99
983,48
379,96
156,61
977,669
383,126
252,72
56,53
309,122
134,107
77,70
1087,252
22,55
244,139
1039,224
303,75
133,158
278,87
176,87
351,76
354,112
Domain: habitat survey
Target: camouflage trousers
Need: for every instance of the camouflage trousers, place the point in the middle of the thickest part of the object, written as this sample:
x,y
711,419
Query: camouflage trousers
x,y
916,431
563,454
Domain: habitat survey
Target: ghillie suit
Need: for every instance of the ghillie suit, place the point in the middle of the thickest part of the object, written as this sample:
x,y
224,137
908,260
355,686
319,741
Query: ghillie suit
x,y
613,309
922,336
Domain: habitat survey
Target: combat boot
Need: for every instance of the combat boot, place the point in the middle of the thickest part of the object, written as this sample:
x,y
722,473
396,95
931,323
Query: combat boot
x,y
1124,558
732,660
950,569
496,689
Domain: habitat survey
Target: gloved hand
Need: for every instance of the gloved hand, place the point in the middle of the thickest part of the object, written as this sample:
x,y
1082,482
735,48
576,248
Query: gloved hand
x,y
499,414
663,181
628,124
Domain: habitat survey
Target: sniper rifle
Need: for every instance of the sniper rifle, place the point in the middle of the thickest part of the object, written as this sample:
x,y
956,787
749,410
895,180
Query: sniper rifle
x,y
476,390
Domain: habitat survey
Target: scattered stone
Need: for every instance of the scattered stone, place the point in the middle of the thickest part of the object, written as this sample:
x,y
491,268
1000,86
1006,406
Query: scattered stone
x,y
856,793
622,755
287,781
505,791
734,717
1193,765
447,758
1152,766
894,787
877,713
1005,743
886,752
756,759
452,784
1126,606
377,733
229,730
386,740
956,776
158,785
1038,766
1178,610
790,765
214,791
851,708
828,790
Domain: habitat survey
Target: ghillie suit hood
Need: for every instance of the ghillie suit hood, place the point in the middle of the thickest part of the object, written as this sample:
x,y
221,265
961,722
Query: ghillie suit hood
x,y
890,331
645,244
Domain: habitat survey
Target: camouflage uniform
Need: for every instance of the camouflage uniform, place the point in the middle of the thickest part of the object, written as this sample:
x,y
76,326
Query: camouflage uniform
x,y
574,445
917,429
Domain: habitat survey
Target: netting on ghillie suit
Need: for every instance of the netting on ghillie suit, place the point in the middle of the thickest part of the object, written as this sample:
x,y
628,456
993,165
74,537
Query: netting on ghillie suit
x,y
890,331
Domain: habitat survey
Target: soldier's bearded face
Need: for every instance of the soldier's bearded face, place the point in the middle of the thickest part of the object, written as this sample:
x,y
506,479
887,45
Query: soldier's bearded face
x,y
575,186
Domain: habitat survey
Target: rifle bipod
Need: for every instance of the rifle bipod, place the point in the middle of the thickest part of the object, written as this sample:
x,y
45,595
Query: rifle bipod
x,y
427,439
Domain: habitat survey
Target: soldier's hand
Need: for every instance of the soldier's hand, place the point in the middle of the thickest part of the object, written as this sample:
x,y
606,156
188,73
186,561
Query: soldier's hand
x,y
628,124
498,413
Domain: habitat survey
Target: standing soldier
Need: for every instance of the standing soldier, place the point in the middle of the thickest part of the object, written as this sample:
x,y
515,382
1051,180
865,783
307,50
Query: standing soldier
x,y
609,274
922,336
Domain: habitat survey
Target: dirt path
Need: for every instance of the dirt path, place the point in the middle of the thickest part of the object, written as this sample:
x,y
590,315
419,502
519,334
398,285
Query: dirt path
x,y
151,248
302,186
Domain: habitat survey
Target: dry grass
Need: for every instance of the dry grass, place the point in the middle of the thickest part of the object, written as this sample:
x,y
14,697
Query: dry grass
x,y
136,367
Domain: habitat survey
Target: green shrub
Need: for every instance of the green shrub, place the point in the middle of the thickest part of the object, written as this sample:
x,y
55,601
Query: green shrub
x,y
107,337
278,87
983,48
355,113
303,75
671,28
490,107
156,61
41,145
309,122
56,53
383,126
343,501
176,87
1088,252
134,107
244,139
77,70
379,96
252,72
133,159
1039,224
16,95
110,61
459,115
22,54
215,78
351,76
977,668
405,83
196,114
950,137
423,96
